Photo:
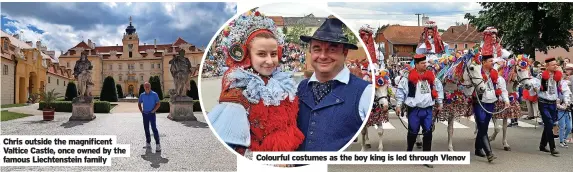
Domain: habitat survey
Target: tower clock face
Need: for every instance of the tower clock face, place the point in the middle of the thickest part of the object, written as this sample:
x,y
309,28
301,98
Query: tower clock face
x,y
130,47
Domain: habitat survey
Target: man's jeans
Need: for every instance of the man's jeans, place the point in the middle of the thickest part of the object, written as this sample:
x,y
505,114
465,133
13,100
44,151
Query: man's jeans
x,y
148,118
564,125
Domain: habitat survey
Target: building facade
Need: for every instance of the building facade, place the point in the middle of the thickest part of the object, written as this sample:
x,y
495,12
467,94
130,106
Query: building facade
x,y
131,63
24,68
399,42
462,37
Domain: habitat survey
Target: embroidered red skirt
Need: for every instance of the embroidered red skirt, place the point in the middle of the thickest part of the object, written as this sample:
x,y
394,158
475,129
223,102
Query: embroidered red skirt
x,y
455,105
377,116
514,110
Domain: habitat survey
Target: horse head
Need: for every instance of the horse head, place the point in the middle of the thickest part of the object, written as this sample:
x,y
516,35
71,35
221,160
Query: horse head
x,y
522,67
472,74
382,82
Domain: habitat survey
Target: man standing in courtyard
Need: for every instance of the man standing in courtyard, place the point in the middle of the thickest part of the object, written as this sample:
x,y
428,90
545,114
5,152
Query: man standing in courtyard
x,y
150,101
332,103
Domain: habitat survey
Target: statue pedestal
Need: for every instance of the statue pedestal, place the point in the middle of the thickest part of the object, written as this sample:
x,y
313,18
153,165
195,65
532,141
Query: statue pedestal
x,y
181,109
83,109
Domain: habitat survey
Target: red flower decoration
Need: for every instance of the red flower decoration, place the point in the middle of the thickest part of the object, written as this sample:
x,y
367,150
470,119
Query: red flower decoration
x,y
257,13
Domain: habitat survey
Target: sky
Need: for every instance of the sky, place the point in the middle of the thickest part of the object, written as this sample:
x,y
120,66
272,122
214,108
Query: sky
x,y
63,25
445,14
294,9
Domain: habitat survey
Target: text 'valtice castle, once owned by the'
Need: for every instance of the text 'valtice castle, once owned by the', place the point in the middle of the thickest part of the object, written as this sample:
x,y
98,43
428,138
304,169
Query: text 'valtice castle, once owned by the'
x,y
131,64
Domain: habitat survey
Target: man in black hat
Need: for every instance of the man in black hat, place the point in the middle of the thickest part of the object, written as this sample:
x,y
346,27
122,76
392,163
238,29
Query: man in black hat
x,y
332,103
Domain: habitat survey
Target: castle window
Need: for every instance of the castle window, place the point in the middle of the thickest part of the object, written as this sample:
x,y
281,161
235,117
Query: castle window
x,y
68,64
140,65
130,54
64,83
120,77
110,67
5,70
465,46
49,79
120,66
57,81
456,46
152,65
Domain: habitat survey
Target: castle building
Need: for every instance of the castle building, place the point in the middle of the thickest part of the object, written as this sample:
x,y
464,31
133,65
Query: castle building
x,y
132,63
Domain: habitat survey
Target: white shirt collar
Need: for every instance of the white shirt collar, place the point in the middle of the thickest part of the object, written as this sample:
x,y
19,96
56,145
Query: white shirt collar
x,y
343,76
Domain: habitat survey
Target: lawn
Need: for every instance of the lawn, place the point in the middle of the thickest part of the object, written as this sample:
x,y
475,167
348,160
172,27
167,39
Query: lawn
x,y
13,105
6,116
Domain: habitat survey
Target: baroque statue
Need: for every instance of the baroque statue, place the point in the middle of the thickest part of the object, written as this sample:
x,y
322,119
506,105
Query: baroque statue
x,y
83,74
181,72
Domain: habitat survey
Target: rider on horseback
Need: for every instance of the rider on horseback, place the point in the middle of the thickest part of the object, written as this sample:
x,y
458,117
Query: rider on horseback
x,y
484,104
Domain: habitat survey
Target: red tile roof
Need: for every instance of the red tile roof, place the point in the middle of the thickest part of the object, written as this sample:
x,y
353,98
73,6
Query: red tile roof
x,y
463,33
105,49
179,41
279,21
405,35
83,45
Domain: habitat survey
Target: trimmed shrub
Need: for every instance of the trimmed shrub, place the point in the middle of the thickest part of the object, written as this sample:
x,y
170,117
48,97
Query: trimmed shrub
x,y
156,86
119,91
71,92
102,107
193,92
141,90
108,91
66,106
60,106
163,107
197,106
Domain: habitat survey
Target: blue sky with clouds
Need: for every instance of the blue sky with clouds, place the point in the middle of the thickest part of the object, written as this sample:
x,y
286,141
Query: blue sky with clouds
x,y
62,25
445,14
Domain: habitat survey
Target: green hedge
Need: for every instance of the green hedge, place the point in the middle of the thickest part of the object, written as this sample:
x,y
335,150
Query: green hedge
x,y
66,106
164,106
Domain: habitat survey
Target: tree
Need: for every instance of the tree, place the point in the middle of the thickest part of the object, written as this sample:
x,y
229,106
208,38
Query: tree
x,y
108,91
285,30
119,91
141,90
528,26
351,36
71,91
156,86
380,30
193,92
294,33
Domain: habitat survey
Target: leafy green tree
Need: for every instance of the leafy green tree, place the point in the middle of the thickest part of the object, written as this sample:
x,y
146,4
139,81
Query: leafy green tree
x,y
119,91
294,33
108,90
528,26
351,36
71,91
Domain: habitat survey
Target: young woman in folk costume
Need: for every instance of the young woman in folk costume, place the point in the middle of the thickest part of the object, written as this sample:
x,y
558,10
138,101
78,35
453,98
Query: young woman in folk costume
x,y
258,104
516,72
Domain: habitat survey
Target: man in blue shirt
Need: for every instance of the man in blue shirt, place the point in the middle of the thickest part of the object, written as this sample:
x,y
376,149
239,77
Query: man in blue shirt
x,y
150,101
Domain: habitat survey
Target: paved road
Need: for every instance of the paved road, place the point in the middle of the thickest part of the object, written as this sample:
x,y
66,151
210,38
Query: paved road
x,y
524,156
187,146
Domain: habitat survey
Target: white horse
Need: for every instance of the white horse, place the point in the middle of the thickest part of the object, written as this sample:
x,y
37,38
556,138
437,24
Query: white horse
x,y
523,78
469,66
470,69
379,113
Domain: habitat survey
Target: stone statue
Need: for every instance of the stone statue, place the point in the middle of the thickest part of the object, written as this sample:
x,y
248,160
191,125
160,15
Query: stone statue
x,y
181,72
83,74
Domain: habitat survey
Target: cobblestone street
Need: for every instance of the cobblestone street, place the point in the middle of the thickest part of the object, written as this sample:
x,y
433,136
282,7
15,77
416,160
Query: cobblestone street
x,y
186,146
